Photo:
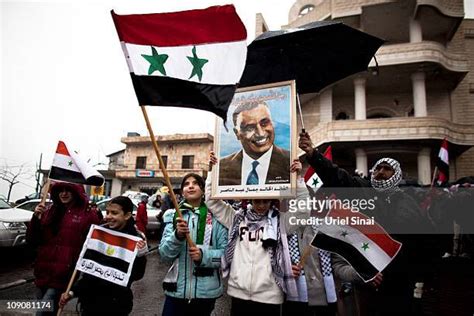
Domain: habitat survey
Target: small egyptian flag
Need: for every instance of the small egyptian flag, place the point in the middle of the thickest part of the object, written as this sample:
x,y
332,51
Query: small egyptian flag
x,y
311,178
68,166
190,59
363,243
108,254
443,163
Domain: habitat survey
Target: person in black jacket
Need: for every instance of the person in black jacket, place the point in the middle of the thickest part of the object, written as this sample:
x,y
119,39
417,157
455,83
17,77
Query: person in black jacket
x,y
400,216
101,297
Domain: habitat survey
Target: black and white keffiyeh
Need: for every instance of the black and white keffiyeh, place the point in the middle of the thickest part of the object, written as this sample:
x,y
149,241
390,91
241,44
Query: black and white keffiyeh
x,y
391,185
272,241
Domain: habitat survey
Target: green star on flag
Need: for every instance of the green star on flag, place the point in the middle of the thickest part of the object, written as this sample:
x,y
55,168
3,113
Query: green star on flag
x,y
197,63
344,234
69,163
315,182
365,246
156,61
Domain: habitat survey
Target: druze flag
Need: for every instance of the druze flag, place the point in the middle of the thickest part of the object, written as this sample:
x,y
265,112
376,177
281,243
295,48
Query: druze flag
x,y
108,254
186,59
68,166
358,239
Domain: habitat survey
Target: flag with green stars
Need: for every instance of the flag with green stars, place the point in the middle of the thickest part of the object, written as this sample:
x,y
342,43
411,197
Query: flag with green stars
x,y
188,59
69,166
363,243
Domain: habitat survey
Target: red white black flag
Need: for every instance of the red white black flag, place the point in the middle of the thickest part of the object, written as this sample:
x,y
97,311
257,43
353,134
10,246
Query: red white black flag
x,y
443,163
68,166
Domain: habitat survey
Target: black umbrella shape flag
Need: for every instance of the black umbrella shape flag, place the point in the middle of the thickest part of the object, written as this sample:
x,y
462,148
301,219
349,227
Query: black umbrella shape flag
x,y
315,55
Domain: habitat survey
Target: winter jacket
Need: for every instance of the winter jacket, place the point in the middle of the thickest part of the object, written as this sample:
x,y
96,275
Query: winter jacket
x,y
142,217
201,280
251,277
101,297
59,235
400,216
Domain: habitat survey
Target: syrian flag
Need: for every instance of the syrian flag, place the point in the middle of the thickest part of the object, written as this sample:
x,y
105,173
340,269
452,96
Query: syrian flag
x,y
68,166
108,254
311,178
190,59
443,163
358,239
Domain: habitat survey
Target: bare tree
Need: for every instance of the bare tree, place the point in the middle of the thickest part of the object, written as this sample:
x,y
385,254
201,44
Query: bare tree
x,y
13,175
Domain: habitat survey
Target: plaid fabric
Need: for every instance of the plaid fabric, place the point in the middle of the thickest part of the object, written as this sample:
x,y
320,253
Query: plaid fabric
x,y
294,250
391,185
325,262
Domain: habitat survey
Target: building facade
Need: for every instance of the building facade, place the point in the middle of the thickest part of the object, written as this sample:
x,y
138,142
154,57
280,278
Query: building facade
x,y
137,168
421,92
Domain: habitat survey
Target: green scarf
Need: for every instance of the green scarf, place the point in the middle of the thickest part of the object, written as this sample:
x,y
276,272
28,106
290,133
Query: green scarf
x,y
202,218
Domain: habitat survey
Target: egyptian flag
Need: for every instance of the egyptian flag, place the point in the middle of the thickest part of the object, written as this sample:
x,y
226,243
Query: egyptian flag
x,y
68,166
364,244
188,59
311,178
443,163
108,254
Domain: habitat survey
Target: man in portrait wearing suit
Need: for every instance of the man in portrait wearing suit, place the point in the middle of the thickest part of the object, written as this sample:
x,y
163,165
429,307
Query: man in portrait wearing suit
x,y
259,161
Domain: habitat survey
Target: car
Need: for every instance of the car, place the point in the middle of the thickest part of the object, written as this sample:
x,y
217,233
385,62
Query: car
x,y
152,212
31,204
13,224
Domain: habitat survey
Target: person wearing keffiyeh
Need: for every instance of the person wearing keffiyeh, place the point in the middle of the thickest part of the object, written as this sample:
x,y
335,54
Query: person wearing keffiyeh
x,y
256,259
193,282
399,215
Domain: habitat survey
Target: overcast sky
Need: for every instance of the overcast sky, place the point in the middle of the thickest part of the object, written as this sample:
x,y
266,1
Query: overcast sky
x,y
64,77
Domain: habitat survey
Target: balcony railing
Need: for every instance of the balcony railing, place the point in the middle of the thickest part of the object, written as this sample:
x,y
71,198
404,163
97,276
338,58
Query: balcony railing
x,y
393,129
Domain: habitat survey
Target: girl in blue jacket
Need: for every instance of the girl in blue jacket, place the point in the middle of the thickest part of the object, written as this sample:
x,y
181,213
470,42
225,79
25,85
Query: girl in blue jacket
x,y
193,282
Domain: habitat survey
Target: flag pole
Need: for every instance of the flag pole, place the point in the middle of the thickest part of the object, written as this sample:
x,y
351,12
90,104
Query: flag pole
x,y
434,176
301,112
44,193
163,169
304,256
69,286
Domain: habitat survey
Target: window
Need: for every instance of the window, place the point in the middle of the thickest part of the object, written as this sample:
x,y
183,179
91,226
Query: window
x,y
306,9
141,163
188,162
165,160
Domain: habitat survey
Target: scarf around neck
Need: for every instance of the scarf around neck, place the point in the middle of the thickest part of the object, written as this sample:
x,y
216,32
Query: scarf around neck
x,y
272,241
203,212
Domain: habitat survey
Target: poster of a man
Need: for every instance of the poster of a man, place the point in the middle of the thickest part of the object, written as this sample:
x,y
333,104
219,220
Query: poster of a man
x,y
255,154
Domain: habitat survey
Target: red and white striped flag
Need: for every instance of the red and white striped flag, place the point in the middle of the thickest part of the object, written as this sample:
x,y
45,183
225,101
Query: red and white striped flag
x,y
68,166
108,254
443,163
358,239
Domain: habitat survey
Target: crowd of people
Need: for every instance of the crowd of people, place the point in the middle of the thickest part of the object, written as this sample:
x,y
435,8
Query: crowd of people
x,y
252,245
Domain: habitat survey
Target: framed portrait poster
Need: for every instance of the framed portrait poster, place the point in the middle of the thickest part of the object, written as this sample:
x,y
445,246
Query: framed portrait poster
x,y
255,153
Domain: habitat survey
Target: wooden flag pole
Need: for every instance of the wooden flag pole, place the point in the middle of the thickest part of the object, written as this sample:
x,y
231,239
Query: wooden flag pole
x,y
163,169
44,194
306,253
434,176
69,286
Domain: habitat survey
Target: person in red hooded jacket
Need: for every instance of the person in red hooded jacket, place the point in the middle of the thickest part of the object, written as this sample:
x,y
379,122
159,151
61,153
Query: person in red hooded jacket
x,y
142,215
59,232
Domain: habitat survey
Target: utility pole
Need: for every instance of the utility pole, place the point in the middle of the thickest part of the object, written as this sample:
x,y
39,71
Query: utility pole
x,y
38,174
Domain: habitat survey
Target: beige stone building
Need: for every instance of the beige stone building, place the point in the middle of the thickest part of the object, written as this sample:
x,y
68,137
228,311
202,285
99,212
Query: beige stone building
x,y
136,167
422,92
